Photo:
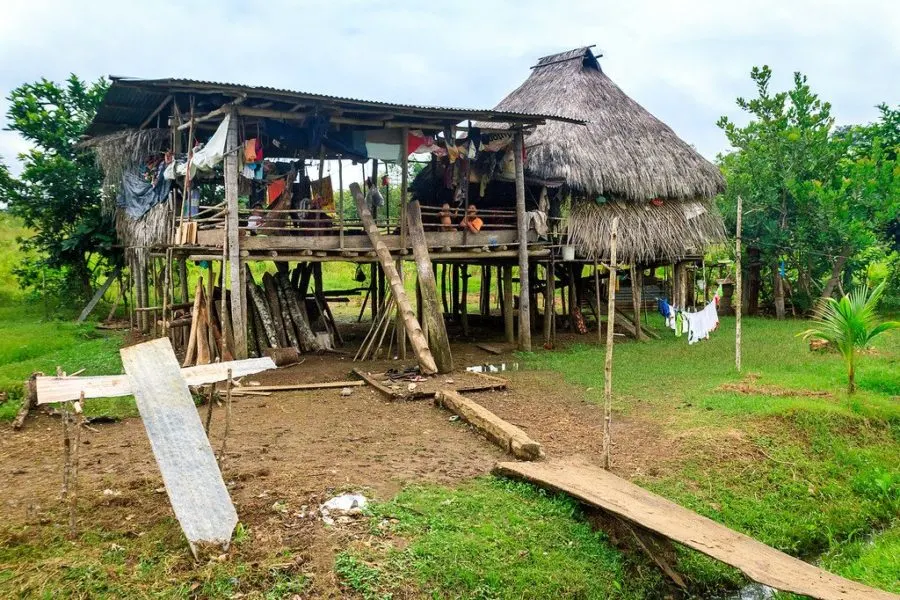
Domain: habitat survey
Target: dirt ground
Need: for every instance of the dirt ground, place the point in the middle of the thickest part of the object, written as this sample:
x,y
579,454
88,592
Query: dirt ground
x,y
291,451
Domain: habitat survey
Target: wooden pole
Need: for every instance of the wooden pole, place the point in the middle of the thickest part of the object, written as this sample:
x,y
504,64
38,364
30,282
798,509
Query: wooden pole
x,y
637,283
227,421
341,202
210,400
464,302
238,289
404,185
73,470
508,317
433,316
738,288
414,330
549,304
524,288
607,365
597,303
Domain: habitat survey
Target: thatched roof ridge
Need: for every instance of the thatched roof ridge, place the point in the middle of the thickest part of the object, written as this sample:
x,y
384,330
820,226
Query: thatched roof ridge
x,y
623,151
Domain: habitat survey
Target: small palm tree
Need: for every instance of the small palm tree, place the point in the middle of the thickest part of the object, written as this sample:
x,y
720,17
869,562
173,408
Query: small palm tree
x,y
849,324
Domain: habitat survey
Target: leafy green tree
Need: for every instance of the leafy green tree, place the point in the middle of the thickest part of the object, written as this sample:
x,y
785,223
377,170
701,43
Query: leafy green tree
x,y
814,197
58,192
850,324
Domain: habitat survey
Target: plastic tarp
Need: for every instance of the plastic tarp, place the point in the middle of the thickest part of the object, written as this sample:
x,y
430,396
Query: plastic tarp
x,y
137,195
207,157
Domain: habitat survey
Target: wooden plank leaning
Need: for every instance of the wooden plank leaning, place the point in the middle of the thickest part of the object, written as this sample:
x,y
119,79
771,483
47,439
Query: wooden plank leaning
x,y
189,470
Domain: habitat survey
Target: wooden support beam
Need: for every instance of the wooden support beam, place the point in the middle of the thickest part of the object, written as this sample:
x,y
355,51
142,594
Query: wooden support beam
x,y
433,317
238,286
508,316
637,284
522,225
414,330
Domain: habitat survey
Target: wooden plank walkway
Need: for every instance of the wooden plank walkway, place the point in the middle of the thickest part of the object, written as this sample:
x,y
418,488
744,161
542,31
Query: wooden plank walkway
x,y
192,478
759,562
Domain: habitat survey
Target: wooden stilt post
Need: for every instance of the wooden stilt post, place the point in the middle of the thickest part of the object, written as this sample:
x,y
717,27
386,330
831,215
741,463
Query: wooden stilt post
x,y
738,287
524,287
464,300
236,267
609,324
607,365
508,316
637,283
549,305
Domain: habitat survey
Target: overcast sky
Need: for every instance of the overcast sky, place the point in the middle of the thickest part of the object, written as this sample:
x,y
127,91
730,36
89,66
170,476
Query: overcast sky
x,y
685,61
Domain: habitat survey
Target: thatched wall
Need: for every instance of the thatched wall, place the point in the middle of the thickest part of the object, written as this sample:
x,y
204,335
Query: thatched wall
x,y
117,152
623,151
647,234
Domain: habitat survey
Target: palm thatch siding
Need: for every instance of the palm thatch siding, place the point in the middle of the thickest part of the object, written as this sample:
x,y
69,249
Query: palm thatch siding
x,y
117,152
647,234
623,151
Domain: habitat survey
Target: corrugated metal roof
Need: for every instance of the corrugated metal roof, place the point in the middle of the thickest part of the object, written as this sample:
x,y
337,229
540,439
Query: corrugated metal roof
x,y
131,100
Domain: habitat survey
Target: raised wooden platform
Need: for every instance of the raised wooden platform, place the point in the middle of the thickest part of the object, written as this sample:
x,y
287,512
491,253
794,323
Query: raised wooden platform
x,y
759,562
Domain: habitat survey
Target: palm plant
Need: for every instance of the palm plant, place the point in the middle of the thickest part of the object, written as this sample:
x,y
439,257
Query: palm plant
x,y
849,325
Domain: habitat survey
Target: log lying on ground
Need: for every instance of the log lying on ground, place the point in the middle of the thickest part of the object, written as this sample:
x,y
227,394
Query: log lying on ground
x,y
283,356
504,434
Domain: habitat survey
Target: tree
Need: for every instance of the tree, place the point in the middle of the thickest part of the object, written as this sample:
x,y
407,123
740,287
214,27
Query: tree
x,y
58,192
850,324
814,196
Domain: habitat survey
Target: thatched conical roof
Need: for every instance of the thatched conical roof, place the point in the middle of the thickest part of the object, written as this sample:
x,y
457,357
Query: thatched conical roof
x,y
623,151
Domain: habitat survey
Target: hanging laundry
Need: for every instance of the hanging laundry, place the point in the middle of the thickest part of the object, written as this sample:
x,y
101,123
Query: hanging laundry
x,y
667,311
213,152
274,190
701,323
253,151
323,194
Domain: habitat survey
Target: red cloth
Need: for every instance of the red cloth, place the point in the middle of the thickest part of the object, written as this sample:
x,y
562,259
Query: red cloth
x,y
275,189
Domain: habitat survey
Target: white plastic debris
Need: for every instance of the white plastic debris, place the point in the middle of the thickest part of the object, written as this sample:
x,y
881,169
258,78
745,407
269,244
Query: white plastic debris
x,y
346,503
342,509
346,391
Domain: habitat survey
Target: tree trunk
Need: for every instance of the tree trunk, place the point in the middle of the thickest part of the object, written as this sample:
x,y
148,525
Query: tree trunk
x,y
754,280
779,293
836,269
413,329
522,228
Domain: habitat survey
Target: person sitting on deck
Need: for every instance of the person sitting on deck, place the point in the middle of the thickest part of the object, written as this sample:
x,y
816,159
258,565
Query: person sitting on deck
x,y
446,218
471,222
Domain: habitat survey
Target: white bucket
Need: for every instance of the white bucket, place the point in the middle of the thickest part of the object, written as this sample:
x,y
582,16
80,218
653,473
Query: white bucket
x,y
568,253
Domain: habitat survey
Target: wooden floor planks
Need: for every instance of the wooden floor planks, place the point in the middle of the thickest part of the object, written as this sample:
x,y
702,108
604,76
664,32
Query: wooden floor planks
x,y
762,563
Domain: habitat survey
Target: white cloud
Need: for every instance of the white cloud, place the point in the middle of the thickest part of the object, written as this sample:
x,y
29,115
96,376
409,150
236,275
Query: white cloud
x,y
685,61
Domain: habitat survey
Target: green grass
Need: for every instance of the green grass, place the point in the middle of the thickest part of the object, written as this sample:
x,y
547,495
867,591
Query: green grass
x,y
875,560
492,538
155,564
